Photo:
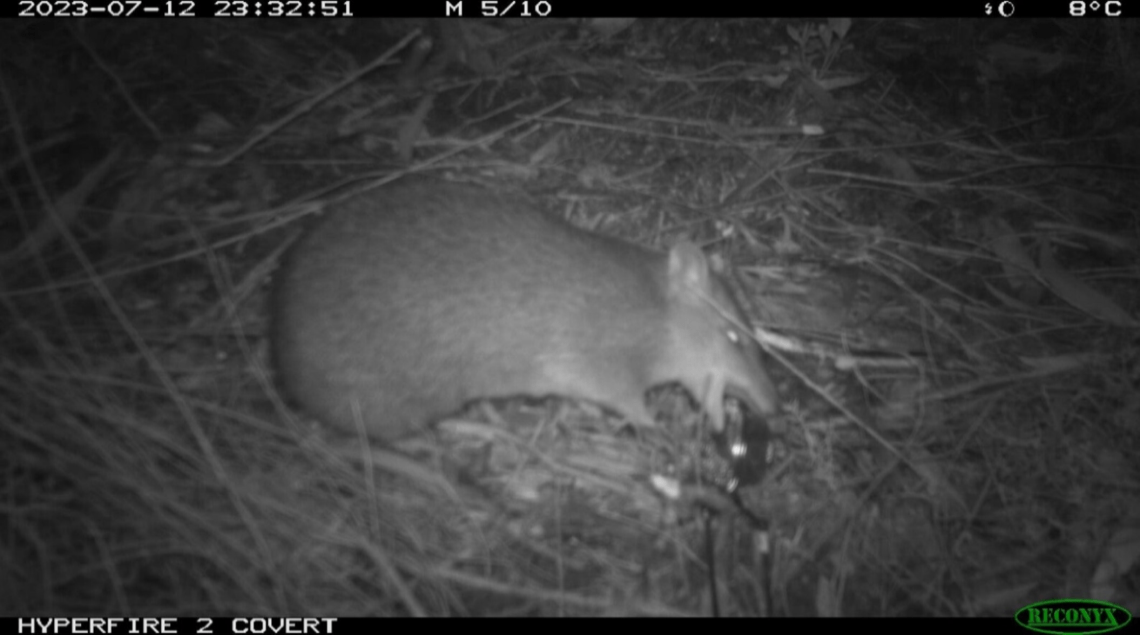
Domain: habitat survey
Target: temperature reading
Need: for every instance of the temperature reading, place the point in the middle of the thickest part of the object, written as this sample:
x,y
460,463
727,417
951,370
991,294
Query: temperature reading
x,y
1109,8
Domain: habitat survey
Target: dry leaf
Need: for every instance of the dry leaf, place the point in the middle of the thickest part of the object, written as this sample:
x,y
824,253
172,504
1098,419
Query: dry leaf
x,y
1077,293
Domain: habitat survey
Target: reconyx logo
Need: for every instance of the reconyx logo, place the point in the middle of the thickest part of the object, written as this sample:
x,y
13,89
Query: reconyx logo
x,y
1073,617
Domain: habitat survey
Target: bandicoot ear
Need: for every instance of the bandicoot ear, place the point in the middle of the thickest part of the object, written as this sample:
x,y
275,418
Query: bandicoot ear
x,y
688,268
